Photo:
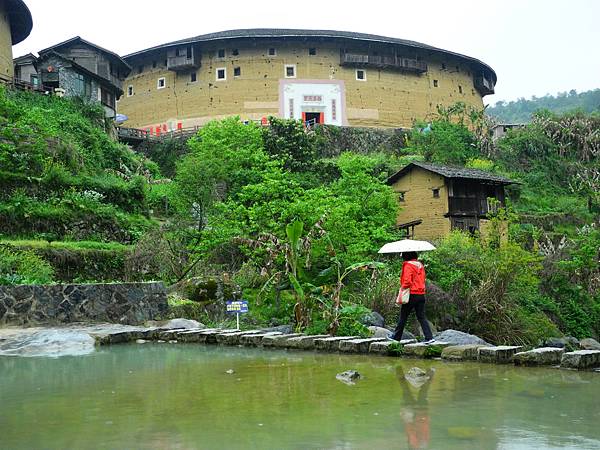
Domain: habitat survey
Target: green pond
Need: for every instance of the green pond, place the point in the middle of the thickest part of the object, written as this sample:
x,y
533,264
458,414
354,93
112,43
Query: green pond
x,y
180,396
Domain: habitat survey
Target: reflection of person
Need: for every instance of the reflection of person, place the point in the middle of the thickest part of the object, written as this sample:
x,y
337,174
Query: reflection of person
x,y
414,413
413,278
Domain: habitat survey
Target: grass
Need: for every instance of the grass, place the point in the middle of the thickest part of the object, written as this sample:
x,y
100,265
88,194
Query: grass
x,y
64,245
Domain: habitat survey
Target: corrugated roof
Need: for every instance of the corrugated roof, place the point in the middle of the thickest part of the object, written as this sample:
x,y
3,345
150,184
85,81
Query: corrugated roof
x,y
452,172
256,33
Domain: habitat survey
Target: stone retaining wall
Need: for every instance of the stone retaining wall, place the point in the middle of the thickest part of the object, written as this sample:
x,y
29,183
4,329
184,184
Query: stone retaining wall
x,y
130,303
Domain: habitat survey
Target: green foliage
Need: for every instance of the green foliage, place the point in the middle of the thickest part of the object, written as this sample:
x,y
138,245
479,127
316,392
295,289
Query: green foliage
x,y
286,140
166,153
350,321
522,110
23,267
443,142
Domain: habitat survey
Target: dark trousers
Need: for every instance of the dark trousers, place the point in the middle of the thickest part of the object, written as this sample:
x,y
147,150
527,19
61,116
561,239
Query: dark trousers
x,y
416,302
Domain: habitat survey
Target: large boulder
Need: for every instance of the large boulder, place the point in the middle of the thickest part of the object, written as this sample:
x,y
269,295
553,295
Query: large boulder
x,y
589,344
378,332
569,343
454,337
545,356
373,319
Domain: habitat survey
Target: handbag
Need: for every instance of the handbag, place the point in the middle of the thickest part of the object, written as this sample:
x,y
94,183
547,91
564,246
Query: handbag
x,y
403,296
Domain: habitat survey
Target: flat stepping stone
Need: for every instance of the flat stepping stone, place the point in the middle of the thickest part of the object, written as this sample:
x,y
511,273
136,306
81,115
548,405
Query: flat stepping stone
x,y
195,335
581,359
358,345
304,342
332,343
383,348
502,354
544,356
233,338
422,350
255,340
466,352
278,340
119,337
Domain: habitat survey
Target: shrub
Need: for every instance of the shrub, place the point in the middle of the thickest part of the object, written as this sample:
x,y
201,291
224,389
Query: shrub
x,y
23,267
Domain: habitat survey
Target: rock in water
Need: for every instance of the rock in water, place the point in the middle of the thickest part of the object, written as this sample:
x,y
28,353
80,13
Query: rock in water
x,y
348,377
230,371
454,337
417,377
589,344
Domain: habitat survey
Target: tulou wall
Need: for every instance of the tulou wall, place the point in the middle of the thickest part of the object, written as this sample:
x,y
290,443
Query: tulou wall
x,y
262,87
6,58
127,303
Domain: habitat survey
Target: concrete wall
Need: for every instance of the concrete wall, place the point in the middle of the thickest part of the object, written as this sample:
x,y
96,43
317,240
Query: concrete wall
x,y
388,98
419,203
6,58
129,303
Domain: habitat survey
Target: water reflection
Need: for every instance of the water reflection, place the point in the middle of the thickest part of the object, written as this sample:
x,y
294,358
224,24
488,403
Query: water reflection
x,y
415,413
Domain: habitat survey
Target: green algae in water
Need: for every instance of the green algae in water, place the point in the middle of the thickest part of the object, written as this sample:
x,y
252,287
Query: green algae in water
x,y
180,396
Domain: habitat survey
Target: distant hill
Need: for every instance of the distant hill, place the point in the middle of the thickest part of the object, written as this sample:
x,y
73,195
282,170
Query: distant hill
x,y
520,111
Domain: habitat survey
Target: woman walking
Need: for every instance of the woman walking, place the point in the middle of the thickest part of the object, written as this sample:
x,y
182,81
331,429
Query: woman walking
x,y
413,278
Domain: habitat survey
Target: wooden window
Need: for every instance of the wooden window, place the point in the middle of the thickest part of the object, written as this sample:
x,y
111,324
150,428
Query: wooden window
x,y
272,52
436,192
235,52
312,51
435,83
401,196
290,71
361,75
237,71
161,83
221,53
154,64
188,52
107,98
193,77
129,90
221,74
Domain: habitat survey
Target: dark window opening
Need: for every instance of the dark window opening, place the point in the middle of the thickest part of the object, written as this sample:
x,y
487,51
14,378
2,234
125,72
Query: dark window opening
x,y
188,52
436,193
154,64
165,63
130,91
235,52
161,83
221,53
140,69
220,74
178,52
435,83
460,89
193,77
401,196
457,69
290,71
237,71
108,98
443,66
271,52
313,117
360,74
312,51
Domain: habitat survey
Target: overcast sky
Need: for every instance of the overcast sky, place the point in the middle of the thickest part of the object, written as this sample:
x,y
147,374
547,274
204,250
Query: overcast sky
x,y
535,46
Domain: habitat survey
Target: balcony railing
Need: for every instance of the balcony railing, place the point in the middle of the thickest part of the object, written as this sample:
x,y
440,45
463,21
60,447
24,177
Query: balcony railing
x,y
472,206
182,62
382,61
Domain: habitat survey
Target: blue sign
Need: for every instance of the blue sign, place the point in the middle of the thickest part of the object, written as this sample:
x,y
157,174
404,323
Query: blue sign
x,y
237,307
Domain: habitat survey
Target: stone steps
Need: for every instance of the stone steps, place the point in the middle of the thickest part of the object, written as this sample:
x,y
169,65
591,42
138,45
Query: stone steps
x,y
545,356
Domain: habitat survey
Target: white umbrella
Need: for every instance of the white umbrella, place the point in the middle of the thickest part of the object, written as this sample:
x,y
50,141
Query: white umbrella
x,y
406,245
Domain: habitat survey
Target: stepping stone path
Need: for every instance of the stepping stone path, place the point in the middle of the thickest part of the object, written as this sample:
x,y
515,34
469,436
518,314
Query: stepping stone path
x,y
461,352
278,340
502,354
544,356
331,343
581,359
358,345
425,350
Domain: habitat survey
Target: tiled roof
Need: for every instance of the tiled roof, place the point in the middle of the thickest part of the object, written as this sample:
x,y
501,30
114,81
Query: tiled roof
x,y
255,33
452,172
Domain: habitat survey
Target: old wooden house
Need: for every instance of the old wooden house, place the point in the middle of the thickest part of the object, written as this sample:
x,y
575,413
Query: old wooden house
x,y
436,199
77,67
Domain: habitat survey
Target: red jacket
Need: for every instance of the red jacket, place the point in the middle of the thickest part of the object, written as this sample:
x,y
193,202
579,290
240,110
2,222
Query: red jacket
x,y
413,276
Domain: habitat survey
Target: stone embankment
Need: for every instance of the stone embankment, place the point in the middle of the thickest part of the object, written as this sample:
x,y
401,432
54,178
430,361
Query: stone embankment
x,y
459,347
